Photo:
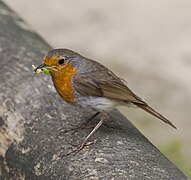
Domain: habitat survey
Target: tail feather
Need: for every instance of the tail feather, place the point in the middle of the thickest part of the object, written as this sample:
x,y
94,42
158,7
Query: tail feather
x,y
150,110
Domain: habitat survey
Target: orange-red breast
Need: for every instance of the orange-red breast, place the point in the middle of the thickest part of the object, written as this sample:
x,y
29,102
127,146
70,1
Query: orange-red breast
x,y
87,83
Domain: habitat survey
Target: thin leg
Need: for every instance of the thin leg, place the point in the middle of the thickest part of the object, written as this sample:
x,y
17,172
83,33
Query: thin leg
x,y
84,125
85,141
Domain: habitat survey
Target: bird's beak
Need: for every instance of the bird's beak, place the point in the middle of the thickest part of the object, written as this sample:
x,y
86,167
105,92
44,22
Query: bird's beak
x,y
40,67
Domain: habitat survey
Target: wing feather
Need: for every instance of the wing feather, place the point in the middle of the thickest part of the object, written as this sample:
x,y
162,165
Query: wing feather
x,y
112,88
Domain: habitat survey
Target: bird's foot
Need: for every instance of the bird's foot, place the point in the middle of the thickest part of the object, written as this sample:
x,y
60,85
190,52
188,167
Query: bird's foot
x,y
80,147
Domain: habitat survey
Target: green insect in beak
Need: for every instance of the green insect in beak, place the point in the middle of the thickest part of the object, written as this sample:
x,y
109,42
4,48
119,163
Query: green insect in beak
x,y
40,69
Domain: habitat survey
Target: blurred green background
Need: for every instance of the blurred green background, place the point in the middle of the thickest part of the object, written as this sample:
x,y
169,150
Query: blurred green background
x,y
148,43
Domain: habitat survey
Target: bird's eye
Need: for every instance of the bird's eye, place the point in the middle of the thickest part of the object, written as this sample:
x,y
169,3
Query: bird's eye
x,y
61,61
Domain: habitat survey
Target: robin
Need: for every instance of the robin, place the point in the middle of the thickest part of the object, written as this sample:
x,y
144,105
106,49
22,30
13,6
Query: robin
x,y
89,84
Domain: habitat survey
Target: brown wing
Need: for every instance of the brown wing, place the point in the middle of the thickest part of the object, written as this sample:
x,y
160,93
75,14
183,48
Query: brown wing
x,y
110,87
114,88
87,87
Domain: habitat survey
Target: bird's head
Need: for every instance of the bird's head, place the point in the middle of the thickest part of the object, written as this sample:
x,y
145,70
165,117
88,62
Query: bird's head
x,y
59,61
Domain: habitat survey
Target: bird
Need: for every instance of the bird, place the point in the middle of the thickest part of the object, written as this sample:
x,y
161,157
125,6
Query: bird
x,y
84,82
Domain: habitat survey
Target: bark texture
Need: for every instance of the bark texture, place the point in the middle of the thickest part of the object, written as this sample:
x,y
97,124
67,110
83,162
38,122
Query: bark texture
x,y
34,121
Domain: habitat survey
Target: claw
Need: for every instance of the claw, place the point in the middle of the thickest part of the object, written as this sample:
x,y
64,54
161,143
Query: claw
x,y
85,141
80,147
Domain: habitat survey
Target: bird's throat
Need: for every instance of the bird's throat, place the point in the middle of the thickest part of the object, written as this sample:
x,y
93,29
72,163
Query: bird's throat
x,y
62,82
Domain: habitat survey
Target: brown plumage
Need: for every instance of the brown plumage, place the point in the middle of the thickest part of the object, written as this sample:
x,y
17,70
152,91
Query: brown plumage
x,y
114,88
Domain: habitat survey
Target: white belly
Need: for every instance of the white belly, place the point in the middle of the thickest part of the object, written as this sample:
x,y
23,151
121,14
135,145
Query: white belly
x,y
96,103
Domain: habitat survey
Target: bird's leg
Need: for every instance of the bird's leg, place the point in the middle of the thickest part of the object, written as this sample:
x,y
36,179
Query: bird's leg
x,y
86,124
85,141
83,125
